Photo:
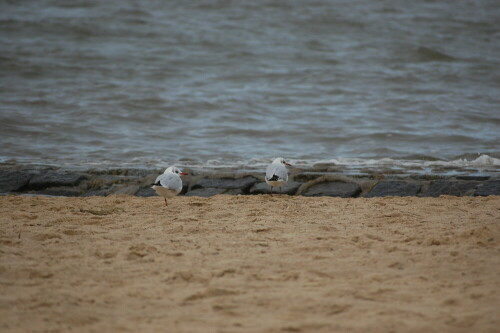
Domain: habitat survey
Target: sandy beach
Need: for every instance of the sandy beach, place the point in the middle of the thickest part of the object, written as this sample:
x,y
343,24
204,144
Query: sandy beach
x,y
249,264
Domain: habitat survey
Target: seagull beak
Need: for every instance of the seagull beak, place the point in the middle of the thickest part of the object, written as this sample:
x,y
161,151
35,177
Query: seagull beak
x,y
286,163
183,174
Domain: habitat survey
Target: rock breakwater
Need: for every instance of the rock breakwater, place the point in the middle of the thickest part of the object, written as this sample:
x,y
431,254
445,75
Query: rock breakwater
x,y
53,181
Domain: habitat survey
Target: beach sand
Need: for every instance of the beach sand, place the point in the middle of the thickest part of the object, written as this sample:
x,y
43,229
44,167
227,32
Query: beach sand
x,y
249,264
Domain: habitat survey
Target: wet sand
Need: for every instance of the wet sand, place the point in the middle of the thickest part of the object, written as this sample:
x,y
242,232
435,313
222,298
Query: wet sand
x,y
249,264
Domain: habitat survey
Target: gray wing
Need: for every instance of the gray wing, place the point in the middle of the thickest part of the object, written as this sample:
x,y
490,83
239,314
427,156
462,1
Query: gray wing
x,y
170,181
276,171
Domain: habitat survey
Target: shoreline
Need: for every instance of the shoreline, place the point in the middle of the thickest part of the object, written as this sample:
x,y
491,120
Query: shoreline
x,y
249,264
322,180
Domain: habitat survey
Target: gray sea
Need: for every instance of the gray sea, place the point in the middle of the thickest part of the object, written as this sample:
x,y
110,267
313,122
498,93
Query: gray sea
x,y
237,83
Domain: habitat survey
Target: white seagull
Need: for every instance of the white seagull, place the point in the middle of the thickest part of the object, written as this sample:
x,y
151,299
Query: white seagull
x,y
276,173
169,184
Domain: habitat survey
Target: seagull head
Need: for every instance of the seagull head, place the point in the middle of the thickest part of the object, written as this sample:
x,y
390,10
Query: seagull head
x,y
175,170
281,160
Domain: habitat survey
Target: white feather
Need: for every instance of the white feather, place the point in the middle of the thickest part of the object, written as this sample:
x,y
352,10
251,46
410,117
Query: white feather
x,y
277,169
170,183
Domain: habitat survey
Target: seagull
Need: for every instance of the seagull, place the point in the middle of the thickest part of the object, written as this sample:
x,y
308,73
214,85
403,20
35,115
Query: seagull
x,y
169,184
276,173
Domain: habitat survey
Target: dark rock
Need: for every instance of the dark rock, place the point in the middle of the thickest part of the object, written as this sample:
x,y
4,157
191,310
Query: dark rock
x,y
107,179
445,187
185,188
333,189
146,192
480,178
127,189
289,188
53,179
11,181
322,166
307,176
234,191
393,188
122,172
208,192
427,177
141,173
491,187
226,183
97,183
60,192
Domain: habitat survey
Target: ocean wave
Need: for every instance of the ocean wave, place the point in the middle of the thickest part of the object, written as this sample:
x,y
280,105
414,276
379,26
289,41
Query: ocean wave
x,y
114,84
481,161
483,164
430,54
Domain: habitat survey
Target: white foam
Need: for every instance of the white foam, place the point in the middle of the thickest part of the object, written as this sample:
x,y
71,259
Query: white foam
x,y
481,161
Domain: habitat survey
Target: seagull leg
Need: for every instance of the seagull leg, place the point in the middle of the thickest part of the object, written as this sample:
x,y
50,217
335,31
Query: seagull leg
x,y
166,204
280,189
271,193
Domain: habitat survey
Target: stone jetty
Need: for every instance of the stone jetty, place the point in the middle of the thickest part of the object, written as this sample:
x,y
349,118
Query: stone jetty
x,y
56,181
